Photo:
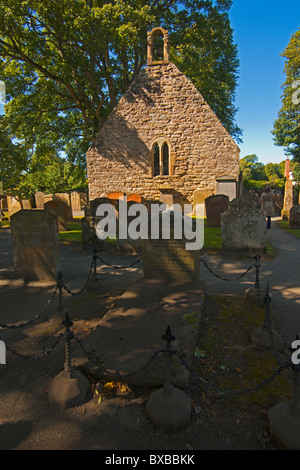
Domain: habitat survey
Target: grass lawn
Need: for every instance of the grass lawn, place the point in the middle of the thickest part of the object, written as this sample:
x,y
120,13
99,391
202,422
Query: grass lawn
x,y
284,224
73,234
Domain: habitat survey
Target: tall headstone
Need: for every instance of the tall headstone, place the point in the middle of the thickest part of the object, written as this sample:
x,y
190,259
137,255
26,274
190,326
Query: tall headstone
x,y
215,206
35,245
288,200
243,227
168,258
39,200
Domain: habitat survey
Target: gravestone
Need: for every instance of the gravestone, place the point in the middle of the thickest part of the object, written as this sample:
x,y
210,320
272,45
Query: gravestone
x,y
215,206
76,204
199,196
62,211
89,224
288,200
168,258
13,205
166,195
278,203
35,245
39,200
243,227
294,217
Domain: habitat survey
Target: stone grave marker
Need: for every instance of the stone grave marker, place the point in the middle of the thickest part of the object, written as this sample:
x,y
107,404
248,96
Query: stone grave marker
x,y
215,206
243,227
62,211
288,200
168,258
90,221
200,195
13,205
294,217
35,245
39,200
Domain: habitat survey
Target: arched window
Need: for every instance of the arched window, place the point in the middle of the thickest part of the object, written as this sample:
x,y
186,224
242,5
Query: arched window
x,y
156,159
161,159
165,158
158,48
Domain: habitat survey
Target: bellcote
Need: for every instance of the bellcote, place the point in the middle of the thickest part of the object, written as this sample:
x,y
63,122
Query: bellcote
x,y
158,47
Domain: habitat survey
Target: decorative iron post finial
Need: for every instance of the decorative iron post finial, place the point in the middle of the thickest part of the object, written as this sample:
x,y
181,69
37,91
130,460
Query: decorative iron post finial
x,y
168,337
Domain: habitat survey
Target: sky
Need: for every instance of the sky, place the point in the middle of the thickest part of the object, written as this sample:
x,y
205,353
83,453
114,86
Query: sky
x,y
262,30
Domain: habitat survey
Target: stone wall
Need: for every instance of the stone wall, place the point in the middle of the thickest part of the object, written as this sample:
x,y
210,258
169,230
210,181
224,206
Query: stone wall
x,y
162,105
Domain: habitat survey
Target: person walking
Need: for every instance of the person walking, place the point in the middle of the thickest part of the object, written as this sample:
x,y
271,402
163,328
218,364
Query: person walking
x,y
267,204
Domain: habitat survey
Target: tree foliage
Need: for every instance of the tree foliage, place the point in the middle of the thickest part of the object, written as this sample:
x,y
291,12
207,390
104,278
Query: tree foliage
x,y
286,128
252,169
66,63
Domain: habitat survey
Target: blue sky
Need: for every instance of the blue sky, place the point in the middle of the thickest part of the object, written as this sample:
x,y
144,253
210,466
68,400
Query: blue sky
x,y
262,30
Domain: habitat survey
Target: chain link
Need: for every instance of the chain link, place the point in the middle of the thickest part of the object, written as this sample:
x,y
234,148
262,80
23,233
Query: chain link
x,y
37,356
85,284
20,325
214,388
223,278
116,373
120,267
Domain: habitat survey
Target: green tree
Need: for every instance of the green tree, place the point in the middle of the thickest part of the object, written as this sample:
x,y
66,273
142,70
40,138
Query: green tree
x,y
272,171
66,63
252,169
286,130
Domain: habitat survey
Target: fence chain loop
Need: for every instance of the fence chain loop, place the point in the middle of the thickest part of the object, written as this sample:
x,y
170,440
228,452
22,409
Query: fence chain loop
x,y
29,322
224,278
119,267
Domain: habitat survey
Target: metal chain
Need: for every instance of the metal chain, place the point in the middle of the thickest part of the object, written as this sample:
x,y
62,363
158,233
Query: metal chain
x,y
116,373
85,284
20,325
223,278
120,267
276,373
37,356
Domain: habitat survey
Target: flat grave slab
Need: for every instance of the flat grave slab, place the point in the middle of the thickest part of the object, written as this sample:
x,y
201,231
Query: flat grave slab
x,y
128,335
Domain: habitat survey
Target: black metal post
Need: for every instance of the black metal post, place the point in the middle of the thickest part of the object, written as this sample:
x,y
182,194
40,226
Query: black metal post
x,y
95,261
60,288
68,336
168,387
257,266
267,303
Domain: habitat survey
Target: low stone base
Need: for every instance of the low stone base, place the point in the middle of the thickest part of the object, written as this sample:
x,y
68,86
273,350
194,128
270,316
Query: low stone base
x,y
171,411
262,338
284,427
94,283
254,295
68,389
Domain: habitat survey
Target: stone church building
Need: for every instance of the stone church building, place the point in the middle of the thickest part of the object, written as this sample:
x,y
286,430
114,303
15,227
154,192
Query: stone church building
x,y
162,137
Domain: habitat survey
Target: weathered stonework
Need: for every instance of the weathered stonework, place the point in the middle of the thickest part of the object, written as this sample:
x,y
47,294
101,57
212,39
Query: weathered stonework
x,y
162,106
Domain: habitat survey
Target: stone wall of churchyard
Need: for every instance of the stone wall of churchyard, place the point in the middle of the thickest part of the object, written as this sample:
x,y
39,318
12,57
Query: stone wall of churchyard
x,y
162,106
